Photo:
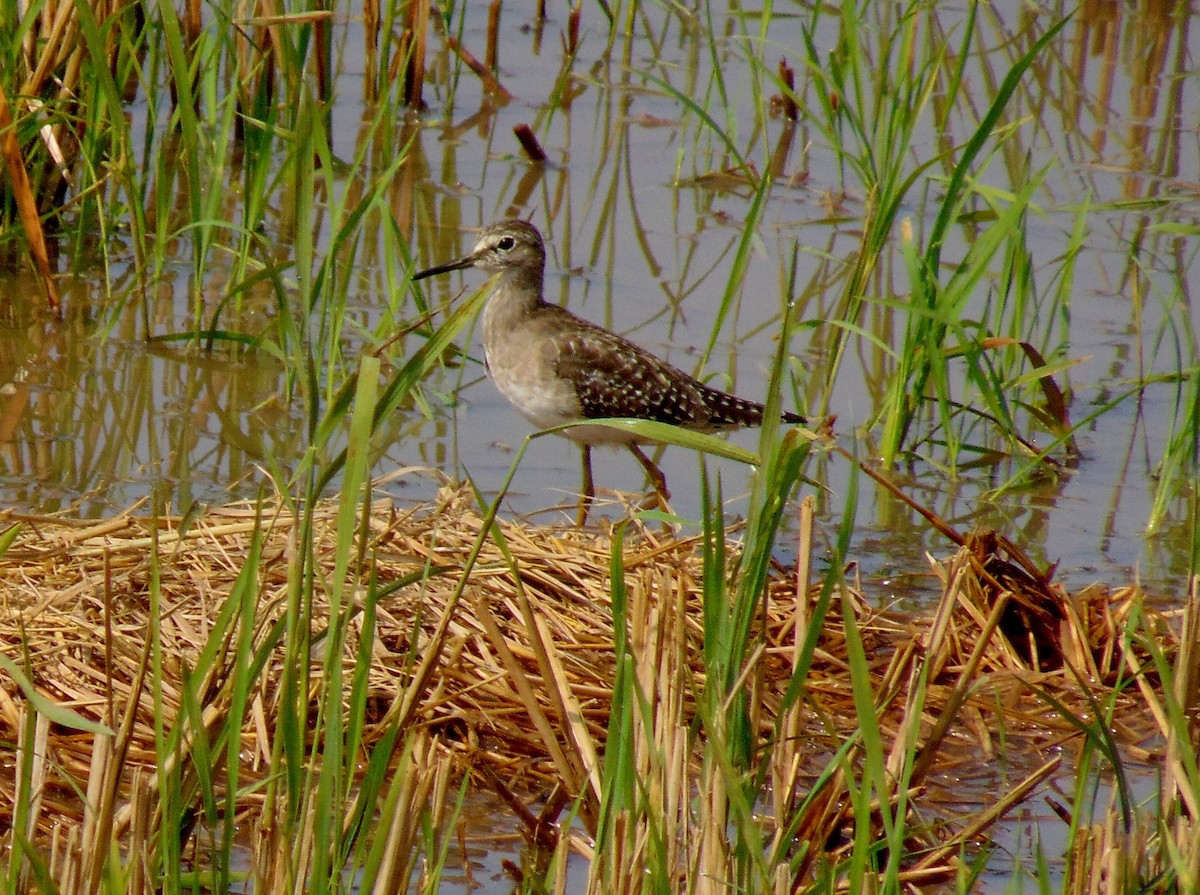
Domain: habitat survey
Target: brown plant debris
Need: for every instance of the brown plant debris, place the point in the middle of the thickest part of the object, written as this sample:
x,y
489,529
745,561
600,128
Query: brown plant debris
x,y
519,666
529,142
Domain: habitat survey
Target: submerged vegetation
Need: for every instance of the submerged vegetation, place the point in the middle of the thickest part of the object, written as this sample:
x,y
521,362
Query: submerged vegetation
x,y
303,692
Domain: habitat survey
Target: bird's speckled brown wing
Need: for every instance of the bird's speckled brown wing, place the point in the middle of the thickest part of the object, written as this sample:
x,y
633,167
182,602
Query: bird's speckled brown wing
x,y
613,377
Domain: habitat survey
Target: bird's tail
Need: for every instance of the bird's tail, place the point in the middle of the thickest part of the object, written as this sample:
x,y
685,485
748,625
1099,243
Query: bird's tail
x,y
730,410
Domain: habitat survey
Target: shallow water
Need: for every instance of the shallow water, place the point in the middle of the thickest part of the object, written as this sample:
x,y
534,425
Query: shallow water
x,y
642,237
641,241
642,229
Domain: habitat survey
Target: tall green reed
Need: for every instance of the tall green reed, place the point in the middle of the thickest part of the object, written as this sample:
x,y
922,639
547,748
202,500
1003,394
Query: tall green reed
x,y
1174,473
873,113
642,813
320,806
873,98
171,181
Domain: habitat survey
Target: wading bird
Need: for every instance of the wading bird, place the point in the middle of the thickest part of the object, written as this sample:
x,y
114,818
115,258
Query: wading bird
x,y
556,368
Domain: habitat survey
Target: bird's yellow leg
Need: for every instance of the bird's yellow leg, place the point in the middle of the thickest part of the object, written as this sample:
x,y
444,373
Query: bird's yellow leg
x,y
587,491
657,480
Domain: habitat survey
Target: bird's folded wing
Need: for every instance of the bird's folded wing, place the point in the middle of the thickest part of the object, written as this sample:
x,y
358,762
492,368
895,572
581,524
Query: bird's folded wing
x,y
615,378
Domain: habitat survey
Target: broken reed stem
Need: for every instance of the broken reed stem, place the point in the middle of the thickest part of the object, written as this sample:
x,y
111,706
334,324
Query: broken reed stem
x,y
323,49
931,517
804,537
1187,674
529,142
22,192
414,77
192,22
777,167
371,31
573,29
791,111
491,57
491,84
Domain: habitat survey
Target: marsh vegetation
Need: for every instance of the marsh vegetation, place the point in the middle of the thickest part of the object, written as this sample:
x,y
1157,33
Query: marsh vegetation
x,y
281,590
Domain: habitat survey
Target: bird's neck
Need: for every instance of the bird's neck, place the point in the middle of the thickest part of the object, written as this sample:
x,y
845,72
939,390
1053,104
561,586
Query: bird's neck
x,y
518,292
510,310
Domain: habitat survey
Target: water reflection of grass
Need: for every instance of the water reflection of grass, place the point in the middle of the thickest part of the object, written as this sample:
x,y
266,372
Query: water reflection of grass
x,y
723,739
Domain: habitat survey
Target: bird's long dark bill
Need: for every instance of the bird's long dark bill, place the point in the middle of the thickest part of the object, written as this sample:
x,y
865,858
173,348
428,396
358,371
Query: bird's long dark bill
x,y
445,268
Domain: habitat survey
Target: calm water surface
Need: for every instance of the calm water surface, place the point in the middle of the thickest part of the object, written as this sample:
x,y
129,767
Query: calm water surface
x,y
642,229
642,236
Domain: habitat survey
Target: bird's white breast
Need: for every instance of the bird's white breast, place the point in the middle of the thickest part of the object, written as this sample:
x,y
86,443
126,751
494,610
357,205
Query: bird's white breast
x,y
542,402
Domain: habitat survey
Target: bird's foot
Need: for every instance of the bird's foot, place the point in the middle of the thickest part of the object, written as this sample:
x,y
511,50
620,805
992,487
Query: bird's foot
x,y
585,507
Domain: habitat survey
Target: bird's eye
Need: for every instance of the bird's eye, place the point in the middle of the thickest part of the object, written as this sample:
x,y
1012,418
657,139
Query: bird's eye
x,y
506,243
